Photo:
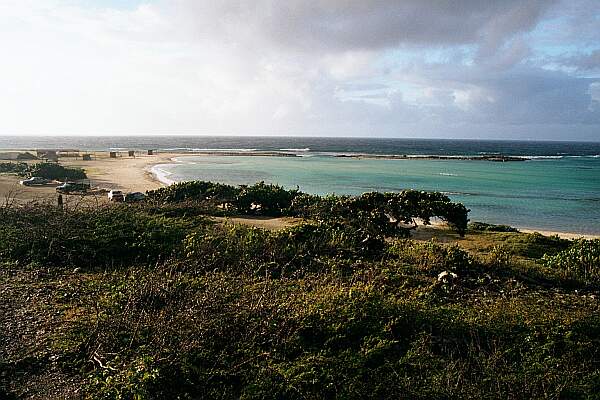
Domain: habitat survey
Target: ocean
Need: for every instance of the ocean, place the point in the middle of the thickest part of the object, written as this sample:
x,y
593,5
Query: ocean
x,y
557,189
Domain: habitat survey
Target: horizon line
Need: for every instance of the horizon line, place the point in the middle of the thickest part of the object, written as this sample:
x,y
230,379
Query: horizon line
x,y
23,137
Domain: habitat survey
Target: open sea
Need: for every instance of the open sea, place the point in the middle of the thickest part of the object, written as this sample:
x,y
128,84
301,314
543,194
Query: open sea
x,y
558,189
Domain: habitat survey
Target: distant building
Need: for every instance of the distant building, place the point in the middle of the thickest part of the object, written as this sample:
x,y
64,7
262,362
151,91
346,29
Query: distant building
x,y
49,155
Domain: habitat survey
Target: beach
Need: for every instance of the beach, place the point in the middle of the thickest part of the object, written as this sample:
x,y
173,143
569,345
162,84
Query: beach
x,y
129,174
139,174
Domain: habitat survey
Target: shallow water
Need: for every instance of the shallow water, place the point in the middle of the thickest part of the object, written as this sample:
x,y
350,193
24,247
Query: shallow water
x,y
559,189
561,194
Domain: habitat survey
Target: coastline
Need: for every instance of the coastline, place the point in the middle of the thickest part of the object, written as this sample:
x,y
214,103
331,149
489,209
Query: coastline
x,y
130,174
142,173
563,235
366,156
162,177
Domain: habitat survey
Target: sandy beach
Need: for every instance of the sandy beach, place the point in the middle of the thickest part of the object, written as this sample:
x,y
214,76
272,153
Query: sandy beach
x,y
132,174
129,174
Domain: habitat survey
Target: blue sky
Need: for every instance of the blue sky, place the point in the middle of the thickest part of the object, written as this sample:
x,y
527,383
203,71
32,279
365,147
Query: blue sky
x,y
473,69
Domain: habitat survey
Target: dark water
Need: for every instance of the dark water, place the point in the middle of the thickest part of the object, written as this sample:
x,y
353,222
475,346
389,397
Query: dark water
x,y
307,144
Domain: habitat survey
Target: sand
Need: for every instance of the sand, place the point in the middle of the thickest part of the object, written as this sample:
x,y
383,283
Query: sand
x,y
129,174
132,174
564,235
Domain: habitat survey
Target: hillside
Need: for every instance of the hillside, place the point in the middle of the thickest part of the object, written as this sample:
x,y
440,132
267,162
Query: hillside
x,y
157,300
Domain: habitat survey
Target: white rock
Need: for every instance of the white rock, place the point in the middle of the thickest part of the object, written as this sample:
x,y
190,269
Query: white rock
x,y
447,276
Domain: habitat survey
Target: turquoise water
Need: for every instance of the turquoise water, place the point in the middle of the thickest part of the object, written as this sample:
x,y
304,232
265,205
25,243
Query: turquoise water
x,y
559,189
561,194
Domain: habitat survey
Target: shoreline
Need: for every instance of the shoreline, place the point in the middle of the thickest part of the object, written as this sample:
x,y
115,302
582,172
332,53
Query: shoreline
x,y
492,157
142,173
565,235
366,156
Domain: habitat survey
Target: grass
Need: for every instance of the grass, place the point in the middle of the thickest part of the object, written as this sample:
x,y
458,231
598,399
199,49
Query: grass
x,y
307,312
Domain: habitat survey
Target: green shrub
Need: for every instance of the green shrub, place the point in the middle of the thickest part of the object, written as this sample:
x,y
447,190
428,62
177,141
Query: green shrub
x,y
500,257
433,256
581,260
325,309
289,252
535,245
99,237
483,227
221,336
44,170
378,213
383,213
530,245
55,171
13,168
194,190
264,199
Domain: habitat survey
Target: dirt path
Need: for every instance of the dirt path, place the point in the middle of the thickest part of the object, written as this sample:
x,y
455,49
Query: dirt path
x,y
268,223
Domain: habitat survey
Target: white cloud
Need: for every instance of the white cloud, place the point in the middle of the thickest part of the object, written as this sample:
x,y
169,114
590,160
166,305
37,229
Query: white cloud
x,y
268,67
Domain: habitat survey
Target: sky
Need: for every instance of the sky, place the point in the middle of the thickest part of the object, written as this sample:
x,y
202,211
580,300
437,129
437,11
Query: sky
x,y
488,69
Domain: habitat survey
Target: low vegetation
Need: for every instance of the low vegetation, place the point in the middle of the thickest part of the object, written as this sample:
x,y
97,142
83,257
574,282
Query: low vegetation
x,y
55,171
484,227
44,170
581,260
155,300
13,168
376,213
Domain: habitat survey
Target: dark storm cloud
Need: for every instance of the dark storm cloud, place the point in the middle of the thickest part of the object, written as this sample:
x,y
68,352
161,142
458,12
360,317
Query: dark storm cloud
x,y
343,25
583,62
344,67
538,96
377,24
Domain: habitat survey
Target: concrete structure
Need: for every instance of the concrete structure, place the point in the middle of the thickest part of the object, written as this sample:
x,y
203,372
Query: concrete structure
x,y
49,155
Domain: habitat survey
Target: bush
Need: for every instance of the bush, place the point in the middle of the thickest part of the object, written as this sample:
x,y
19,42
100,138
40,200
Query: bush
x,y
194,190
500,257
13,168
44,170
377,213
264,199
56,171
532,245
216,336
580,261
433,256
383,213
107,236
290,252
483,227
324,309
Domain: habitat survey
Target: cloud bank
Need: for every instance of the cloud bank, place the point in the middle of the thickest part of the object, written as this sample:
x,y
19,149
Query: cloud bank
x,y
491,69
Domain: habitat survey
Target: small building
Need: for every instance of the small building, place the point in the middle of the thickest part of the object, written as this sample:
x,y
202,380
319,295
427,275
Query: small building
x,y
87,157
49,155
68,153
150,152
113,154
131,153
